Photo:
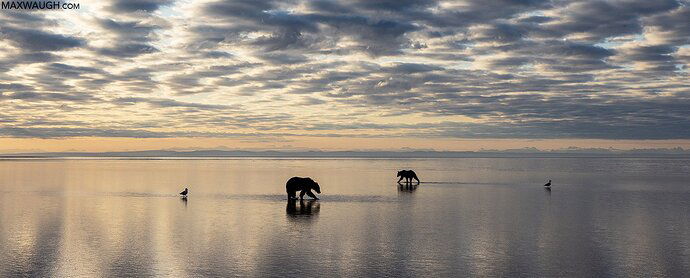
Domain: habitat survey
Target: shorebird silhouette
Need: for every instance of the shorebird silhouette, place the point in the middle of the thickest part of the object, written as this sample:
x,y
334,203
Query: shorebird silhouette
x,y
184,193
548,184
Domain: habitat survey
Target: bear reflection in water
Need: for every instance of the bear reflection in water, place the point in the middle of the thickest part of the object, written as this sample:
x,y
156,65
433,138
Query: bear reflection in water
x,y
302,207
407,187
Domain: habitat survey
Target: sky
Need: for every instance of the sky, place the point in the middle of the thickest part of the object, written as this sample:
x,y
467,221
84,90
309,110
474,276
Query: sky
x,y
345,75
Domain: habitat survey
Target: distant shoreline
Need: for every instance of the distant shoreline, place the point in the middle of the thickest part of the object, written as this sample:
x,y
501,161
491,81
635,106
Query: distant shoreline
x,y
217,154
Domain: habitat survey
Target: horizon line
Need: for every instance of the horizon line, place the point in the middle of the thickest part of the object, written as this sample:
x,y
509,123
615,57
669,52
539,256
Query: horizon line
x,y
212,153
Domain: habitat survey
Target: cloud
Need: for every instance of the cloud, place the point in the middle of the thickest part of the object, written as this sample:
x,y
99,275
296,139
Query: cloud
x,y
283,58
36,40
595,21
128,29
165,103
425,69
658,58
60,132
128,50
31,96
408,68
312,101
672,27
138,5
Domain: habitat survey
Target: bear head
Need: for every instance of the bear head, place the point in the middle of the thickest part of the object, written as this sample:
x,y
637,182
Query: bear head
x,y
316,187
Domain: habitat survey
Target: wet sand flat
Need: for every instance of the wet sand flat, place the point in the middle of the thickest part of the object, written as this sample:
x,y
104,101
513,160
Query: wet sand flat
x,y
474,216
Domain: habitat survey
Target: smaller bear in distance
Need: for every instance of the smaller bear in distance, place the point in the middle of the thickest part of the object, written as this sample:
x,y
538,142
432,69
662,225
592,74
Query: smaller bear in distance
x,y
408,175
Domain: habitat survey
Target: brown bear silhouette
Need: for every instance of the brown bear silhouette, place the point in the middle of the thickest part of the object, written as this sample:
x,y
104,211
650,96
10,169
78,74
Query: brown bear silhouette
x,y
408,175
305,185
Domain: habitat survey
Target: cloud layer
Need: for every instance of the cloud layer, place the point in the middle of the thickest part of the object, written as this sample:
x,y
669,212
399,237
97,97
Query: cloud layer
x,y
386,68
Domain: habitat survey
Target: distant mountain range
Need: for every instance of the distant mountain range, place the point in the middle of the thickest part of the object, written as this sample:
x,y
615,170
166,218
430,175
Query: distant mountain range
x,y
526,152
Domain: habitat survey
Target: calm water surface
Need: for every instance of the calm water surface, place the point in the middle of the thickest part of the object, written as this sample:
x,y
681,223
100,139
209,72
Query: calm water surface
x,y
484,217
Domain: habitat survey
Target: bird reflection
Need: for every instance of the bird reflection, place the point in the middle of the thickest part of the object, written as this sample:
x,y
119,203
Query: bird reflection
x,y
547,190
184,201
305,208
407,187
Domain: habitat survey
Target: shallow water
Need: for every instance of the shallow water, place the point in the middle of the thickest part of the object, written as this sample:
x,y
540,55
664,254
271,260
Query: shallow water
x,y
488,217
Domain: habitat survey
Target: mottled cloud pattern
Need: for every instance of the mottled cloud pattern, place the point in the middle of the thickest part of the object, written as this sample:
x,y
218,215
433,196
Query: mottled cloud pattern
x,y
334,68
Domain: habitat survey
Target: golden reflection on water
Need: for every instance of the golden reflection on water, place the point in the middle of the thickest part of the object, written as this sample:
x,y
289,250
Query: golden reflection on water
x,y
124,218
